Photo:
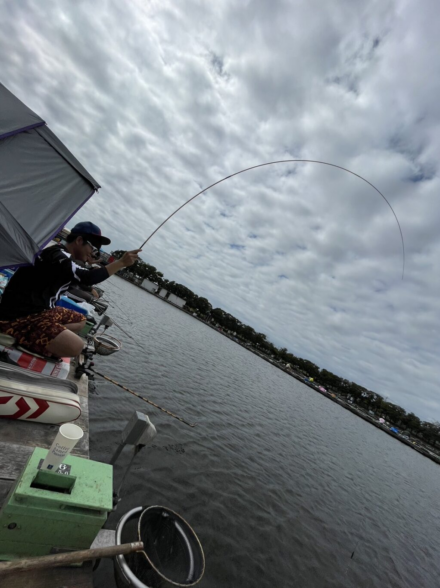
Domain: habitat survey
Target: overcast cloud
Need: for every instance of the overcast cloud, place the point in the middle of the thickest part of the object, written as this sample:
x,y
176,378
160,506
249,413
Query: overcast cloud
x,y
160,99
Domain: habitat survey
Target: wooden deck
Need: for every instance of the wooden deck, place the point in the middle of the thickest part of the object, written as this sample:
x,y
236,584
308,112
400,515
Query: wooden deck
x,y
17,441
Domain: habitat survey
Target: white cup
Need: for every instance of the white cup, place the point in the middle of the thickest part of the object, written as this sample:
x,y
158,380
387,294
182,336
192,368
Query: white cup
x,y
66,439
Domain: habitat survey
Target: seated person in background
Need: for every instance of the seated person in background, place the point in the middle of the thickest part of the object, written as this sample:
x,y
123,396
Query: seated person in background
x,y
27,308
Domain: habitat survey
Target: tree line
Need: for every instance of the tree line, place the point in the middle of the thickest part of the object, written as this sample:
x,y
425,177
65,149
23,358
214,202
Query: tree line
x,y
367,399
144,271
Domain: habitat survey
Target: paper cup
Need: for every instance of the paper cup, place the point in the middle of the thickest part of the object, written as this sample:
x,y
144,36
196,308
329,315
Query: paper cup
x,y
66,439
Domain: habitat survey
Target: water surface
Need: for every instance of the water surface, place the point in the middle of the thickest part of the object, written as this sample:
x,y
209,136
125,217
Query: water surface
x,y
280,484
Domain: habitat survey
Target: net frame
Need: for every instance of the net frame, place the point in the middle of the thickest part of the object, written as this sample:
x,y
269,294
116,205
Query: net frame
x,y
182,526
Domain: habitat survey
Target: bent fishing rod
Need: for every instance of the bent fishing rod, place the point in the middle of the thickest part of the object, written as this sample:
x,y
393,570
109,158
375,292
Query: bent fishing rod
x,y
275,163
223,180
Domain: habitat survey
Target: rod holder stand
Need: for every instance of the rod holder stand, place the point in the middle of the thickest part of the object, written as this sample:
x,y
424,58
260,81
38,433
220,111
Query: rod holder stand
x,y
139,431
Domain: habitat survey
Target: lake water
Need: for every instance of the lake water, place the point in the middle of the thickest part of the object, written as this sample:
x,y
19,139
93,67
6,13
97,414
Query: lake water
x,y
280,484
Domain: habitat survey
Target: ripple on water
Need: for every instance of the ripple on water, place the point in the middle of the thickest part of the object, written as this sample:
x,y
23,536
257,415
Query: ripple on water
x,y
280,484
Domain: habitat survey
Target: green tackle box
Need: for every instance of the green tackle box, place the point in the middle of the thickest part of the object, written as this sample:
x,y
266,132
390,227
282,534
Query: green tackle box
x,y
48,512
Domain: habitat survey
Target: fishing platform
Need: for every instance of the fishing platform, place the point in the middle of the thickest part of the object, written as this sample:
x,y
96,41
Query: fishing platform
x,y
63,513
18,440
55,501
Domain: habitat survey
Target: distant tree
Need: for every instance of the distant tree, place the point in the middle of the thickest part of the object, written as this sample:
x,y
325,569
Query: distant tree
x,y
203,305
308,367
328,379
393,413
411,422
430,432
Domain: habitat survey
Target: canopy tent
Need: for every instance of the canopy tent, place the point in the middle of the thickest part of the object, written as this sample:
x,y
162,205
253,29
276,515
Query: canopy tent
x,y
42,185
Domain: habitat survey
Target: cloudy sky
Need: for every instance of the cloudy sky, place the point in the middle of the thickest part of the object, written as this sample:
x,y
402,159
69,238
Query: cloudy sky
x,y
160,99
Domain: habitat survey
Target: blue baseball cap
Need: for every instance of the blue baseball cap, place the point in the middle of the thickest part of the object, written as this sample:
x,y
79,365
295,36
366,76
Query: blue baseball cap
x,y
92,230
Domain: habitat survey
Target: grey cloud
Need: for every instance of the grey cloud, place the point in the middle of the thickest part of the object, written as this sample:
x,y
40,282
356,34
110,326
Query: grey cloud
x,y
160,100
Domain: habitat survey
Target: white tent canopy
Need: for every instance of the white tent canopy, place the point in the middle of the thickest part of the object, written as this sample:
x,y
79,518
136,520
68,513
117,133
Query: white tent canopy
x,y
42,185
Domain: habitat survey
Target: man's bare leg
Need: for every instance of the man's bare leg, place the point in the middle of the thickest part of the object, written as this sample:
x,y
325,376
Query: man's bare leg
x,y
76,327
66,344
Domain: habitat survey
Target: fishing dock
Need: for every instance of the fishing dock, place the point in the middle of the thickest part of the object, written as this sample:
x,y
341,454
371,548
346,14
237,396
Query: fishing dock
x,y
18,439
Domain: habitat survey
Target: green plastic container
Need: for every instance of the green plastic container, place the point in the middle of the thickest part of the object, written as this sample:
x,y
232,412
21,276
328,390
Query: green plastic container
x,y
86,329
46,512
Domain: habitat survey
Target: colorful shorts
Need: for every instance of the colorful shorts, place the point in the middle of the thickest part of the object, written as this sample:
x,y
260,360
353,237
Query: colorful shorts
x,y
36,331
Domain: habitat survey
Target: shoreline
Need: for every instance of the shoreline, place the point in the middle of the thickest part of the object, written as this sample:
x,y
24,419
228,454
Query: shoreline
x,y
358,412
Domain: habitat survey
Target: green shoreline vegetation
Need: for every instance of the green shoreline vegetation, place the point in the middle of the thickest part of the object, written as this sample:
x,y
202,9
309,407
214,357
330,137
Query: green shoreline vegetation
x,y
374,403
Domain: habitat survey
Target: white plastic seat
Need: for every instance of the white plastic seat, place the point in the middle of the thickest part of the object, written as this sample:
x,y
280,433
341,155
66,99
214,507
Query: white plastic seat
x,y
29,396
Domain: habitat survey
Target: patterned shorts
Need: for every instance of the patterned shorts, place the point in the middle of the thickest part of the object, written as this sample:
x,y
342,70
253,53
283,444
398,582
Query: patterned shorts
x,y
36,331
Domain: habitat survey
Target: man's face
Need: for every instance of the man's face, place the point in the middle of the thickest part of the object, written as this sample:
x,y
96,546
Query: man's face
x,y
93,257
84,249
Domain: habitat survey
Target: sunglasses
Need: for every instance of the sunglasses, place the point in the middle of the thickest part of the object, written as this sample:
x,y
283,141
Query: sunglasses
x,y
95,250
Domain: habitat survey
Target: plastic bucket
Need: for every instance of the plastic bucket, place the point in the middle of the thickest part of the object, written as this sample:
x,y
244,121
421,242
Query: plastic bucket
x,y
127,526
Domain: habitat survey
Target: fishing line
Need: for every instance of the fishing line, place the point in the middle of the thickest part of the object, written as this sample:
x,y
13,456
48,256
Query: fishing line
x,y
142,398
128,334
285,161
119,326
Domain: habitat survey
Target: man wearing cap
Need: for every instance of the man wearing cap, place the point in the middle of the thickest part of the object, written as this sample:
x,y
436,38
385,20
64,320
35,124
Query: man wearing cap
x,y
27,309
